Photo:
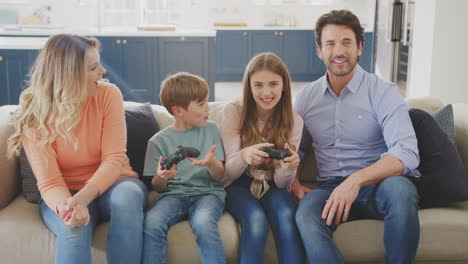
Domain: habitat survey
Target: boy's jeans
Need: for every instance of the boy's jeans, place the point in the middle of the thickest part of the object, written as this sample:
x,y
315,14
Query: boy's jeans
x,y
394,200
203,213
123,204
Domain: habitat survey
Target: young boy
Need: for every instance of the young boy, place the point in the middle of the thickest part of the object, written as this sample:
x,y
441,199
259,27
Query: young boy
x,y
191,189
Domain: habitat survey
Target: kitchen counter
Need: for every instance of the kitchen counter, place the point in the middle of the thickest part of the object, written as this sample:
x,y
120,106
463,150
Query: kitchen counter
x,y
132,32
129,32
22,43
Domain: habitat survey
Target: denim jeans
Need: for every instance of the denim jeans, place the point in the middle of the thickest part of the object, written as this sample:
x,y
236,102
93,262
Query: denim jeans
x,y
203,213
276,209
394,200
123,204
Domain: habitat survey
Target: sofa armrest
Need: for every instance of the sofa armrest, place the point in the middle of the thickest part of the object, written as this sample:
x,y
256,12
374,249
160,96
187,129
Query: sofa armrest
x,y
9,180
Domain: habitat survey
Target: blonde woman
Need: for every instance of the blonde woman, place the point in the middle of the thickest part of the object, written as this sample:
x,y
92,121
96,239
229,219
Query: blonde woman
x,y
257,192
71,125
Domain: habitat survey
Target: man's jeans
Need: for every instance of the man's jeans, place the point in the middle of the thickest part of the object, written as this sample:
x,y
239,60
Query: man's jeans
x,y
203,213
276,209
395,200
123,204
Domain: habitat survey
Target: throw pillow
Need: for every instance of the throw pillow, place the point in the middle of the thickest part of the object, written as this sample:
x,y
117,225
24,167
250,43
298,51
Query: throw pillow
x,y
141,126
28,180
443,178
444,118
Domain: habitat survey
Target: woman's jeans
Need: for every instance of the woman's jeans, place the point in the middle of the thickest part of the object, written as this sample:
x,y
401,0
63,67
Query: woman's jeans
x,y
276,209
123,204
394,200
203,213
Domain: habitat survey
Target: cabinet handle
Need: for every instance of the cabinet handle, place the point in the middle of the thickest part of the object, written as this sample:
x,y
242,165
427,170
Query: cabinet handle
x,y
182,38
118,41
276,33
124,41
1,58
281,33
245,33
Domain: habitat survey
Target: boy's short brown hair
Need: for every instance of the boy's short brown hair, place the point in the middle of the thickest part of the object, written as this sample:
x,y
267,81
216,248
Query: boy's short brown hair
x,y
182,88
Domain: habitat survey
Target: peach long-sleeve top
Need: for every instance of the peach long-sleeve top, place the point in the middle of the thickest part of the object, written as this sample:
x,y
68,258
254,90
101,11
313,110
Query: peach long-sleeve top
x,y
101,155
234,166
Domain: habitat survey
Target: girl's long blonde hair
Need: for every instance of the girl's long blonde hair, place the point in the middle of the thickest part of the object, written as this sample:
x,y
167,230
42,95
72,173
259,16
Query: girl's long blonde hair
x,y
281,122
56,88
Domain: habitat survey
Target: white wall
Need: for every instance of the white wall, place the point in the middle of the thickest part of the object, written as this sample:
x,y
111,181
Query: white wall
x,y
67,13
203,13
440,52
450,59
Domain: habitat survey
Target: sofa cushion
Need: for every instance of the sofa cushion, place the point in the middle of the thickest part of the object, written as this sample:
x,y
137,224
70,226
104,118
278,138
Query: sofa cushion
x,y
443,177
141,126
443,235
22,230
28,180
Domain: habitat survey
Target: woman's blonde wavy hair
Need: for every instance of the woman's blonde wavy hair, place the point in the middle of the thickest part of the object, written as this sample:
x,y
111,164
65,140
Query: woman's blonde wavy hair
x,y
281,122
57,86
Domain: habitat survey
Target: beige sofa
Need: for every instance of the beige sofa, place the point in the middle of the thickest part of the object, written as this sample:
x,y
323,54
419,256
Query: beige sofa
x,y
25,239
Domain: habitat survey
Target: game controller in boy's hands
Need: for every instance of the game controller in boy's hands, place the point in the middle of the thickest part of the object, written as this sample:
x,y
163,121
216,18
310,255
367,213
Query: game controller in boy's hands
x,y
276,153
178,156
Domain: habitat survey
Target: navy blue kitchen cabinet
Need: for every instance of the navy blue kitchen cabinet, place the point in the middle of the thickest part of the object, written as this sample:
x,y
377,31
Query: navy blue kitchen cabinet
x,y
231,54
293,46
296,48
299,48
367,57
187,54
265,41
14,69
129,65
317,67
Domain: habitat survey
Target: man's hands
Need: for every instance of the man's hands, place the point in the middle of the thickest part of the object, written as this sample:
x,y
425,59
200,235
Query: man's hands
x,y
292,162
340,201
298,190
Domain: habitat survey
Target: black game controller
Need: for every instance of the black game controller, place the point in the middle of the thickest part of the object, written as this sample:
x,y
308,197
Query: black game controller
x,y
276,153
178,156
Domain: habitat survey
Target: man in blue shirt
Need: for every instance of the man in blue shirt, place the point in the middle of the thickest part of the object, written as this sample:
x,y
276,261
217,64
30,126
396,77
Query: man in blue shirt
x,y
365,146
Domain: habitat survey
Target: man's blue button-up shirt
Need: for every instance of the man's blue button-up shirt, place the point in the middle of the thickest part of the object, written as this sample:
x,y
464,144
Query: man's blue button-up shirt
x,y
352,131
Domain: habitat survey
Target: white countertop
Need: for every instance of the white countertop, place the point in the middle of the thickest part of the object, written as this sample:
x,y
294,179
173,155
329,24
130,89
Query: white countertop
x,y
38,42
23,43
109,32
119,31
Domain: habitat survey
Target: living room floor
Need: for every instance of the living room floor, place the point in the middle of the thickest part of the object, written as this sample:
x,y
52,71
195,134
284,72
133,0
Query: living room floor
x,y
228,91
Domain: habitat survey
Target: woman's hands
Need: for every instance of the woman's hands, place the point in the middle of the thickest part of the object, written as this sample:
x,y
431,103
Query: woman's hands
x,y
252,155
292,162
73,212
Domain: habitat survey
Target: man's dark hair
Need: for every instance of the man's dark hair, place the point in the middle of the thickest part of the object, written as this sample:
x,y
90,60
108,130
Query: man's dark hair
x,y
339,17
